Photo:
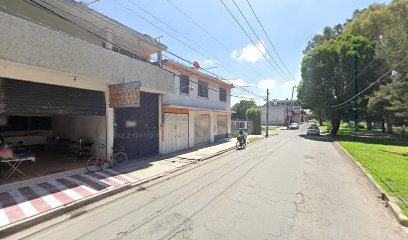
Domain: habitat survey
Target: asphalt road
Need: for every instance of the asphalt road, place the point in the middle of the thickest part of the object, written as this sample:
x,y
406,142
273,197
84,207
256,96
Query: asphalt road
x,y
286,187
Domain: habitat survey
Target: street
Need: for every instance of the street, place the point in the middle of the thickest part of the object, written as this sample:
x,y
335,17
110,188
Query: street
x,y
289,186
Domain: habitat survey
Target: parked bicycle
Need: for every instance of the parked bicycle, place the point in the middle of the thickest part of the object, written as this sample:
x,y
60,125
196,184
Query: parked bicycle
x,y
97,163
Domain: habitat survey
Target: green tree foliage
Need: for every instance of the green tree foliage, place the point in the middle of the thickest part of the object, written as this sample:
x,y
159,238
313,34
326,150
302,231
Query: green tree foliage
x,y
254,114
370,22
379,35
240,109
328,75
390,101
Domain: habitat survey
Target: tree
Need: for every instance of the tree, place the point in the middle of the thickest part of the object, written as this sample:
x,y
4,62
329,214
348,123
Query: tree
x,y
328,75
240,109
318,39
390,101
254,114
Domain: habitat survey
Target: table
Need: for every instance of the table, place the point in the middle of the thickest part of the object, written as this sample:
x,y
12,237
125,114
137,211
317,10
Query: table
x,y
14,164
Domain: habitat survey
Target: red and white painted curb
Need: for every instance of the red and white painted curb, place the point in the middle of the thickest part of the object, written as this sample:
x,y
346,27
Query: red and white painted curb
x,y
21,203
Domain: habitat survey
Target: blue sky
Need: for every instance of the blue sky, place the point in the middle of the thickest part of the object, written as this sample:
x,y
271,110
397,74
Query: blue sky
x,y
289,23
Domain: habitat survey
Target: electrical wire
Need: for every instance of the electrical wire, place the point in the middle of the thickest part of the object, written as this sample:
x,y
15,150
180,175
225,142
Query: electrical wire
x,y
212,36
270,42
185,37
171,35
260,41
372,84
58,15
249,37
217,76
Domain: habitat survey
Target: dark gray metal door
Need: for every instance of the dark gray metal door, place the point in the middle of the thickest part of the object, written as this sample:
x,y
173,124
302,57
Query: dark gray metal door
x,y
149,124
137,129
126,130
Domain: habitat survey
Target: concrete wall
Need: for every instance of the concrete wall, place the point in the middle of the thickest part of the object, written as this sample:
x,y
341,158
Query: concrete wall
x,y
277,115
89,128
30,44
193,100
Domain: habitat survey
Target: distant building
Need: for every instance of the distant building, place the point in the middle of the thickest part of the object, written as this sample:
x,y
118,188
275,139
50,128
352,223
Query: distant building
x,y
281,112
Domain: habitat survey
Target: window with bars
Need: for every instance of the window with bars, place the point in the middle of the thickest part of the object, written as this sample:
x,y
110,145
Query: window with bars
x,y
223,94
184,84
202,89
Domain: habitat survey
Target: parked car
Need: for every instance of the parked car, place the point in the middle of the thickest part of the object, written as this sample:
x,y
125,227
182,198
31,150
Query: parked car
x,y
294,126
313,130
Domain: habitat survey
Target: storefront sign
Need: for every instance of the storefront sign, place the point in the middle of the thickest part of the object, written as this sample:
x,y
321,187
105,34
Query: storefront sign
x,y
124,95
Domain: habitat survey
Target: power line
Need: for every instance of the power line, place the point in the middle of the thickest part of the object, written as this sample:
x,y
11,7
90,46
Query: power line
x,y
372,84
171,35
215,75
259,39
209,34
65,19
249,37
188,39
267,36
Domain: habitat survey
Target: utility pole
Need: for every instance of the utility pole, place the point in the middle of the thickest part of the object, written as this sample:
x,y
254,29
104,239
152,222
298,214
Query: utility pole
x,y
291,101
267,113
356,90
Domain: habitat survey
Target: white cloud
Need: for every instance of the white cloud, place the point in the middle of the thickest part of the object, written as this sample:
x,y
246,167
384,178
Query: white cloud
x,y
267,84
250,53
288,84
209,62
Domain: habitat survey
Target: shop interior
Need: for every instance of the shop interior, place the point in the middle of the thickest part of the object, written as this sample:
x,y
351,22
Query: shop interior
x,y
56,143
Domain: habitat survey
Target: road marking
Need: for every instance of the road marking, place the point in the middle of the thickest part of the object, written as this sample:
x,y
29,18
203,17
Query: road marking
x,y
67,187
111,178
35,199
4,220
47,197
83,187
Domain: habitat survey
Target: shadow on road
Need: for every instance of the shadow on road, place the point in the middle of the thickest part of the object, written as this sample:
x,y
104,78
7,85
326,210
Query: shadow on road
x,y
321,138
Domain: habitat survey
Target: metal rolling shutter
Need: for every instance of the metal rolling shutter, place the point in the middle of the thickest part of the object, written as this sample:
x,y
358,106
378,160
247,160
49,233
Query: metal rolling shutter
x,y
201,129
28,98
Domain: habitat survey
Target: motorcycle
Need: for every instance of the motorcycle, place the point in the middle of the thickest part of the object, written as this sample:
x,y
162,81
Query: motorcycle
x,y
241,142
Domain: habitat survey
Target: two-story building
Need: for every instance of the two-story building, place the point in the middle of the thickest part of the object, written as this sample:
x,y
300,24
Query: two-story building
x,y
70,75
198,112
281,112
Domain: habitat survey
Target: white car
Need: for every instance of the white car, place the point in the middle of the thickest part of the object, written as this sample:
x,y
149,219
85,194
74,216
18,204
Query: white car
x,y
313,130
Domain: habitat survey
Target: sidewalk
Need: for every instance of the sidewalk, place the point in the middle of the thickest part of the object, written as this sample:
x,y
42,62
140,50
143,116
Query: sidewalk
x,y
26,201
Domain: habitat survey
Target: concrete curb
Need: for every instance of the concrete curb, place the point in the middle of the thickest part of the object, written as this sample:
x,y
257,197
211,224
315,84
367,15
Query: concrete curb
x,y
390,202
37,219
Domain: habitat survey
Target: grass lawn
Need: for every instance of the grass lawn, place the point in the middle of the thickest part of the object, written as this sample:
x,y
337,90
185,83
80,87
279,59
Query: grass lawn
x,y
384,157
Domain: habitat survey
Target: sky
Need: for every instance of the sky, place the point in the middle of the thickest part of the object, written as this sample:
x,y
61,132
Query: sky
x,y
219,44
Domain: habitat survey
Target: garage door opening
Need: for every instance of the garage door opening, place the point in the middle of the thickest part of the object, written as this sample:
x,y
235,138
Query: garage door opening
x,y
58,127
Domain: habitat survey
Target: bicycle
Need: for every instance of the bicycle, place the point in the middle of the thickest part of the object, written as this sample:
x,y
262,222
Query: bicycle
x,y
97,163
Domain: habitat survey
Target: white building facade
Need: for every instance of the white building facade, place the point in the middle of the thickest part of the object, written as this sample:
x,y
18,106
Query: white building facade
x,y
198,112
281,112
58,59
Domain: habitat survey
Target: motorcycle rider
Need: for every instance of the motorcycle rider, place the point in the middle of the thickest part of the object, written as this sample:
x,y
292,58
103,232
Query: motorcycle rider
x,y
242,135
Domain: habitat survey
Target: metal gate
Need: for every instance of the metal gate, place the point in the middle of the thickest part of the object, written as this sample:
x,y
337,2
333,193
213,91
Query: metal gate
x,y
175,132
137,128
201,129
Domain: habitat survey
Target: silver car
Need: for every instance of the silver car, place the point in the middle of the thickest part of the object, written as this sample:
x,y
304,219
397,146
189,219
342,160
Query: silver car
x,y
313,130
